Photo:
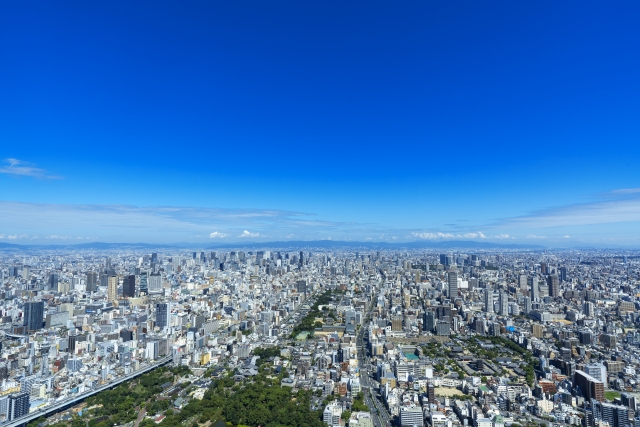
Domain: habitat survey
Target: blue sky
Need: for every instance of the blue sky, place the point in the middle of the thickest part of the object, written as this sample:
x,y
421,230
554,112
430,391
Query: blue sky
x,y
236,121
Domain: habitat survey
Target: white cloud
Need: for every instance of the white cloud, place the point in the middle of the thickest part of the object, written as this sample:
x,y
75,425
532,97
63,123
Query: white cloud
x,y
614,207
432,236
290,236
533,236
17,167
247,233
566,237
218,235
439,235
502,236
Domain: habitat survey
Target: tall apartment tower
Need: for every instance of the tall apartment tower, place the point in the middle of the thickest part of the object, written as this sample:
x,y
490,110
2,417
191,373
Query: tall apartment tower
x,y
504,303
18,405
453,285
535,291
112,288
554,287
129,286
92,281
33,315
488,299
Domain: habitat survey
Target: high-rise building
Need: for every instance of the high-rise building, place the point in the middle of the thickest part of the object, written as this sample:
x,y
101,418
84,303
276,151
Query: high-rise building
x,y
154,257
91,281
453,285
554,288
504,303
129,286
429,320
562,271
443,327
411,416
488,299
144,284
155,282
396,323
589,309
163,313
53,282
33,315
609,414
591,387
544,268
18,405
597,371
537,330
522,282
527,305
112,288
535,291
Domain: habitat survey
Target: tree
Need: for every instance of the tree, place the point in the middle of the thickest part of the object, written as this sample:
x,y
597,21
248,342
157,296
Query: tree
x,y
483,379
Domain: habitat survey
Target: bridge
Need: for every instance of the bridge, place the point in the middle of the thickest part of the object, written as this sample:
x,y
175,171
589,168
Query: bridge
x,y
70,402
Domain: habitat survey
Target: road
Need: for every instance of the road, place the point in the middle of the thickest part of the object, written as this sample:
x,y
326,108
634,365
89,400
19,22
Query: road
x,y
379,414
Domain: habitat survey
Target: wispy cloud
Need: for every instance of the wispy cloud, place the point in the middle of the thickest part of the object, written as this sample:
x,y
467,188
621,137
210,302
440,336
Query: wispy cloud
x,y
17,167
533,236
613,207
247,233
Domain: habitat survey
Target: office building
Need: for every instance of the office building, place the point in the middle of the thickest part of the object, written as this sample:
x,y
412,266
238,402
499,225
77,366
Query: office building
x,y
129,286
163,313
53,282
411,416
597,371
91,281
144,283
429,320
33,315
155,283
535,291
554,286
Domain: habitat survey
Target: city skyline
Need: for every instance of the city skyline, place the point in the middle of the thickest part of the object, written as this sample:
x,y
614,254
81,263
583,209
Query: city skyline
x,y
498,123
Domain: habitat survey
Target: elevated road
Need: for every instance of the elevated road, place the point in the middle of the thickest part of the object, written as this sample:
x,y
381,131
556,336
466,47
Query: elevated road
x,y
73,401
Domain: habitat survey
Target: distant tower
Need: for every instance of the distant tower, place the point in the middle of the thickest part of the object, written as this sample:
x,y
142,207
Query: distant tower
x,y
92,281
554,288
112,288
488,299
129,286
33,315
535,291
504,303
163,313
453,285
53,282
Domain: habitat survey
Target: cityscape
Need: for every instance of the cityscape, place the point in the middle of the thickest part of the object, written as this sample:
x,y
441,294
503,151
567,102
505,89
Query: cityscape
x,y
362,338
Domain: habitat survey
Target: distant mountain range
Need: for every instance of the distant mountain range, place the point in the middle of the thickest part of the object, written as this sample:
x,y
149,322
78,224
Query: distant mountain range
x,y
321,244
